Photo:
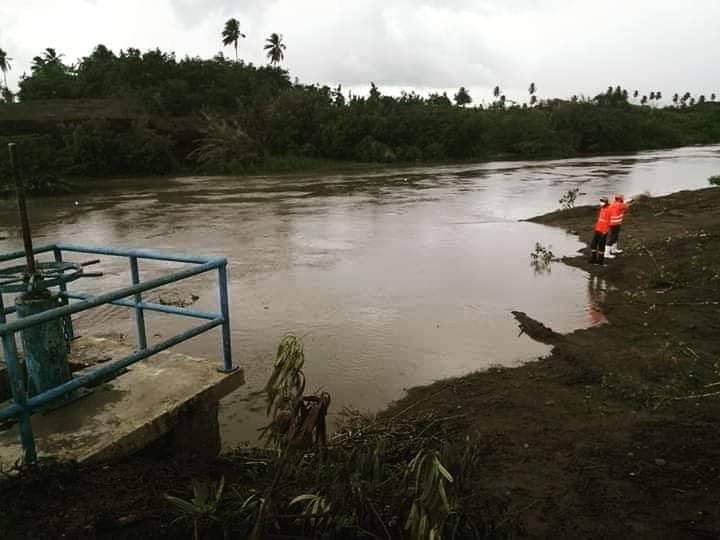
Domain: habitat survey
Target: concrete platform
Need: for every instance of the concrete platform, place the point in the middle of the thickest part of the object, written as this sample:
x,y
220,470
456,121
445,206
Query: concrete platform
x,y
127,413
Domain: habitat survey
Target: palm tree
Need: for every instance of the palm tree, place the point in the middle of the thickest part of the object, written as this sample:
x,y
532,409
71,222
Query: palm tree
x,y
496,91
5,64
531,90
49,57
231,34
275,47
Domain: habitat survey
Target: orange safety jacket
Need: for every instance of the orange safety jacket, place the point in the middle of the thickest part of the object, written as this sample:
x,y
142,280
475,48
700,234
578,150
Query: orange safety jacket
x,y
617,212
603,222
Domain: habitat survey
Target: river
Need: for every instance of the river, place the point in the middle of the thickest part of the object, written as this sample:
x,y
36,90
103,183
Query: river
x,y
394,277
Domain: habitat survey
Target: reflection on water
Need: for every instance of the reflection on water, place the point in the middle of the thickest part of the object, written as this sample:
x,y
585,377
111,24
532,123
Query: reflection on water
x,y
597,291
395,278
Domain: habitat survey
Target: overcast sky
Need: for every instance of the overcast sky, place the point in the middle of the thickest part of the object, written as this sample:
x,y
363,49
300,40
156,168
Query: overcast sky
x,y
565,46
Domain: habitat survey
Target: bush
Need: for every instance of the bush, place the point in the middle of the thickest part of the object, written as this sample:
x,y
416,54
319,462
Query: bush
x,y
40,158
370,150
148,151
714,180
408,153
95,148
225,147
435,151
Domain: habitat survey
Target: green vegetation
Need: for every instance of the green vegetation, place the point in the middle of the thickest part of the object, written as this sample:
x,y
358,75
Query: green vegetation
x,y
202,508
430,507
376,478
714,180
542,258
567,201
5,94
231,34
222,116
275,48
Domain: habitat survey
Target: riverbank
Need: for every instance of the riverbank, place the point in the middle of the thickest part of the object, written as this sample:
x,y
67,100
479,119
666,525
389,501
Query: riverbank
x,y
301,129
614,434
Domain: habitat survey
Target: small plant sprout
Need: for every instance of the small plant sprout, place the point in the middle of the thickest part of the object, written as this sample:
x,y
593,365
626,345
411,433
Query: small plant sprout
x,y
203,507
567,201
430,507
312,505
287,382
296,419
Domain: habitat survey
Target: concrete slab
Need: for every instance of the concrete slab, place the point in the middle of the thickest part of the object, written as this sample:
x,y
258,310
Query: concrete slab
x,y
127,413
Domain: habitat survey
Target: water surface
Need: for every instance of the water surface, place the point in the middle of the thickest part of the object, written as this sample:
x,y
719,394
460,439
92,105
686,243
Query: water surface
x,y
394,278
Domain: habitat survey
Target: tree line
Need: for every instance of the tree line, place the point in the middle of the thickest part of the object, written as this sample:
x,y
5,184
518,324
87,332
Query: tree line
x,y
238,117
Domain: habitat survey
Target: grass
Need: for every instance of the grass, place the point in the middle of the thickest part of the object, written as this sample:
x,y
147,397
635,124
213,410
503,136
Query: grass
x,y
374,478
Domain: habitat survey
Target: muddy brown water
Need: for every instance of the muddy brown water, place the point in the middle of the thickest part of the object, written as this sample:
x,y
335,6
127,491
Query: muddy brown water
x,y
394,278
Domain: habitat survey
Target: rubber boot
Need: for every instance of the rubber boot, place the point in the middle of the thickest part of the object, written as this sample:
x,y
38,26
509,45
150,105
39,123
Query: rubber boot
x,y
600,258
593,257
608,253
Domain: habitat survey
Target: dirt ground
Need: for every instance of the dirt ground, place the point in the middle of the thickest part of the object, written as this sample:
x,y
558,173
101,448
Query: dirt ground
x,y
615,434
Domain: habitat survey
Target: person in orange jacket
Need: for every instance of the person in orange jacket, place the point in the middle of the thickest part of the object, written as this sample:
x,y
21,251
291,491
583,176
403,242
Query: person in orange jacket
x,y
602,226
617,213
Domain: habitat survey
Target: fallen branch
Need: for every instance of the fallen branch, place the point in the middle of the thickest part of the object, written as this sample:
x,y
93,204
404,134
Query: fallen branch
x,y
662,274
406,409
697,396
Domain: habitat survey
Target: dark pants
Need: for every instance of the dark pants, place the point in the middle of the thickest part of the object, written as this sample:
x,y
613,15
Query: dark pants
x,y
613,236
598,242
597,247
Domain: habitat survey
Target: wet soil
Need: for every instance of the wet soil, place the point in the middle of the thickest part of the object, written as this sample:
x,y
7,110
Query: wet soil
x,y
614,434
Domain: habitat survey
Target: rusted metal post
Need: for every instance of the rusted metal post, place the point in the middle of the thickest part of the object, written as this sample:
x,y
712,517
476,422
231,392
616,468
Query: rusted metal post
x,y
22,210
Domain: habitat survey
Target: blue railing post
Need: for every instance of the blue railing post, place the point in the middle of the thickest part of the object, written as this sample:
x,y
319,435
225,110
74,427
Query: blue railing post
x,y
131,296
227,366
139,313
18,391
3,318
69,330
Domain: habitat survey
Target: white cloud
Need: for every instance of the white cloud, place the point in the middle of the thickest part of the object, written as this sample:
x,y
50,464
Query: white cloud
x,y
564,46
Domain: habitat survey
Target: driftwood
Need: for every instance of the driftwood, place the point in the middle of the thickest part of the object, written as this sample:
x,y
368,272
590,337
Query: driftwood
x,y
535,329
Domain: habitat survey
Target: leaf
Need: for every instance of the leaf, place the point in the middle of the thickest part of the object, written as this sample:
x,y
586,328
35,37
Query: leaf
x,y
444,471
219,491
182,504
303,497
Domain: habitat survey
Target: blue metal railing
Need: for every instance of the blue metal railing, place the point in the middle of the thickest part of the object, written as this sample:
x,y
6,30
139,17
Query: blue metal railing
x,y
23,407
